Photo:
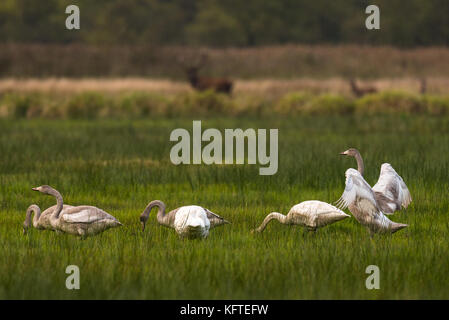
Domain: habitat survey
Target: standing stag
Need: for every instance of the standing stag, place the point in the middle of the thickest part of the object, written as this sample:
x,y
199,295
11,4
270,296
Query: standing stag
x,y
360,91
203,83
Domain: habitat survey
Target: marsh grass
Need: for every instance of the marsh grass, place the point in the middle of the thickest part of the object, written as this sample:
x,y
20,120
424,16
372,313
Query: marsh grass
x,y
139,104
120,165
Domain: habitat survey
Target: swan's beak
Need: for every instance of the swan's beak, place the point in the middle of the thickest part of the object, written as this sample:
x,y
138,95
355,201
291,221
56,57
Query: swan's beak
x,y
35,189
143,226
226,221
344,153
24,231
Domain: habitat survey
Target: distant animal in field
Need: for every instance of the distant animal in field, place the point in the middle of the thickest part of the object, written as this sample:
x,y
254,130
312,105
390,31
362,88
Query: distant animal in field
x,y
40,221
359,198
201,83
81,220
390,191
360,91
423,86
311,214
189,221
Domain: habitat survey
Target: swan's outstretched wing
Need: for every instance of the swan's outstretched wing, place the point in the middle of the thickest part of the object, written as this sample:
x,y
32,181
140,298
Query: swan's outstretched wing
x,y
85,214
356,188
391,191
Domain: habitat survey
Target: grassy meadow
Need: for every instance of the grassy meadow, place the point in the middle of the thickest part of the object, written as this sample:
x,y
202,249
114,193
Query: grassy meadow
x,y
121,165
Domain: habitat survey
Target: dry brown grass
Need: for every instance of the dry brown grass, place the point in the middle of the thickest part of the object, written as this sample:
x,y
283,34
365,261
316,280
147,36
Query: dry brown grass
x,y
269,88
66,85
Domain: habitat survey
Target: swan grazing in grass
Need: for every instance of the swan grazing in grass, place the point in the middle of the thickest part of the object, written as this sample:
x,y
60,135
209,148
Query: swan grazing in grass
x,y
188,221
311,214
81,220
390,191
361,201
40,221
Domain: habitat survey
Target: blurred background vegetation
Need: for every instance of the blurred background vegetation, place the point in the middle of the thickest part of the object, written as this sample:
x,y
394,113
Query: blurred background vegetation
x,y
283,56
243,39
226,23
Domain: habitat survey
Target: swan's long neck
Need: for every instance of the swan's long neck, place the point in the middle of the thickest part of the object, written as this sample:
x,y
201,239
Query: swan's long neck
x,y
37,214
360,165
59,204
162,218
274,215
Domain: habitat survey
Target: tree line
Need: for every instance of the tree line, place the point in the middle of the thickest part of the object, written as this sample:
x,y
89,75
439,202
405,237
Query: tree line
x,y
226,23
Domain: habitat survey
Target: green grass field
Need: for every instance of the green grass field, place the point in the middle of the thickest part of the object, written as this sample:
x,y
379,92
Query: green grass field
x,y
120,166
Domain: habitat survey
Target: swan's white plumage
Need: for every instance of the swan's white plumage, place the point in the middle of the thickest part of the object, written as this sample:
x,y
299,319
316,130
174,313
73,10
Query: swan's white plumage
x,y
390,191
82,220
44,221
85,215
393,188
188,221
315,214
192,222
312,214
360,199
355,187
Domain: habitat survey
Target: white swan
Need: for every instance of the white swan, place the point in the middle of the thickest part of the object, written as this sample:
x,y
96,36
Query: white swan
x,y
188,221
81,220
40,221
360,199
390,191
311,214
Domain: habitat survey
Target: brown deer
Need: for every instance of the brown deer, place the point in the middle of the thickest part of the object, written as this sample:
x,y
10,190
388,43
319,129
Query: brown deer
x,y
360,92
204,83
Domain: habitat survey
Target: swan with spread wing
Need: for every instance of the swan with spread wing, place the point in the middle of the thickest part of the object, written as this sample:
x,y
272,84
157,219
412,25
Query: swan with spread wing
x,y
361,201
188,221
390,191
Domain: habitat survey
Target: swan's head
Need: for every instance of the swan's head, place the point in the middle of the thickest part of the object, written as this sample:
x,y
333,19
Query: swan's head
x,y
350,152
44,189
143,221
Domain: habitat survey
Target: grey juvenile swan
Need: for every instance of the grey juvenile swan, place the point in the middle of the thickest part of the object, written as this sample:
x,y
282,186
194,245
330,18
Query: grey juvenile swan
x,y
390,191
359,198
41,221
188,221
81,220
311,214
